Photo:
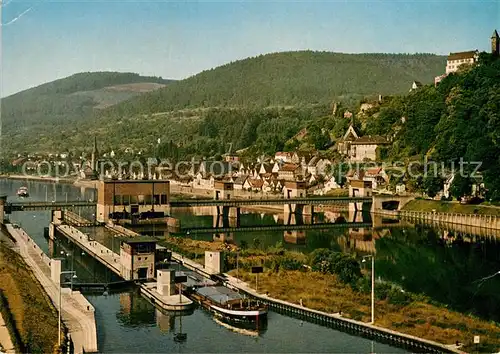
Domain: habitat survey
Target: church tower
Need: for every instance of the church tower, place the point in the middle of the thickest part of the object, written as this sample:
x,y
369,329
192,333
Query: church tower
x,y
495,43
95,156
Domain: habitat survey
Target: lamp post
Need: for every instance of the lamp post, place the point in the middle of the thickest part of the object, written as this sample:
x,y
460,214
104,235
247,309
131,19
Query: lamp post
x,y
373,285
60,298
72,258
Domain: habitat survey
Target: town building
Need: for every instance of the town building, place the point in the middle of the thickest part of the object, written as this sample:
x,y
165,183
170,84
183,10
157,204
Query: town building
x,y
132,197
455,60
290,172
358,149
137,258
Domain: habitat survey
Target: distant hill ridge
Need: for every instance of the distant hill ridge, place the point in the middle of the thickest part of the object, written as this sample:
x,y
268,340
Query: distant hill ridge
x,y
290,78
60,104
87,81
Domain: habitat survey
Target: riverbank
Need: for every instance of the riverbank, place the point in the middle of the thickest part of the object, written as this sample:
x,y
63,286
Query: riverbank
x,y
413,315
69,180
34,316
450,207
77,313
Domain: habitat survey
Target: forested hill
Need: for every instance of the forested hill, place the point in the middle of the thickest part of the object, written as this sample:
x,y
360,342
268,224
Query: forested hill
x,y
458,119
290,78
37,111
86,81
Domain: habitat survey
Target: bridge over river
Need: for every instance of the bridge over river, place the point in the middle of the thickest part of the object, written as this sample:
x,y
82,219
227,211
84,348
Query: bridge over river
x,y
40,205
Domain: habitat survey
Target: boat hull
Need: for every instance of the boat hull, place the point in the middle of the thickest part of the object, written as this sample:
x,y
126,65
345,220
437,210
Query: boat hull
x,y
243,316
239,316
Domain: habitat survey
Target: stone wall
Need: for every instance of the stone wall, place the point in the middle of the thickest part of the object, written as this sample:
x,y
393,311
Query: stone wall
x,y
476,220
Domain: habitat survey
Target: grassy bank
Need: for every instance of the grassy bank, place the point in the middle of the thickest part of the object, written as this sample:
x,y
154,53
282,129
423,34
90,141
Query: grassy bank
x,y
194,249
403,312
31,311
325,292
450,207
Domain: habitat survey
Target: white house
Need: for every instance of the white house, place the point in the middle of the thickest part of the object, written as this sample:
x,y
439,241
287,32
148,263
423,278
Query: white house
x,y
415,85
377,176
276,166
330,184
455,60
283,156
265,168
289,172
400,188
240,181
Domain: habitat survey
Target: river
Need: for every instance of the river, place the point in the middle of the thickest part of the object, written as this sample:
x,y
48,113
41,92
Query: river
x,y
420,259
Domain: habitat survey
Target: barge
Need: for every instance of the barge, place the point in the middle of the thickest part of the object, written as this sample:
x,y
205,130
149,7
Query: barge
x,y
226,304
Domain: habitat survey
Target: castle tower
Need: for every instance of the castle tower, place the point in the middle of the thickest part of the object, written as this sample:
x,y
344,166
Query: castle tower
x,y
495,43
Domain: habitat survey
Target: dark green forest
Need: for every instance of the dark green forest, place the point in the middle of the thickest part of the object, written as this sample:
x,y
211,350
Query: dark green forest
x,y
290,79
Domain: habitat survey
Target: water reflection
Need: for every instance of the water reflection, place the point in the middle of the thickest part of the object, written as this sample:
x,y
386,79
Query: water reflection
x,y
426,260
440,262
135,311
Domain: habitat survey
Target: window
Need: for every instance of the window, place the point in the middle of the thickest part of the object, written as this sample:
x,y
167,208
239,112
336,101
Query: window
x,y
126,200
157,199
134,199
163,199
139,258
140,199
118,200
148,199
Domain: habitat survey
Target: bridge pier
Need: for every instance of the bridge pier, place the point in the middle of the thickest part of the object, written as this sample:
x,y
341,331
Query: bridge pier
x,y
360,188
219,222
56,219
3,203
227,212
295,237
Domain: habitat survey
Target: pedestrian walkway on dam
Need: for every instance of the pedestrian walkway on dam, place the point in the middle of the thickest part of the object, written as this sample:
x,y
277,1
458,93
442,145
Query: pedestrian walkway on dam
x,y
78,313
94,248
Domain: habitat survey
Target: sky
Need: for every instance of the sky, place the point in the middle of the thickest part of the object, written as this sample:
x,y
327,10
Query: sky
x,y
46,39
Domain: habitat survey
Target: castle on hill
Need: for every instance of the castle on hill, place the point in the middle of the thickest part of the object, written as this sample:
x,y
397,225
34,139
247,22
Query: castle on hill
x,y
455,60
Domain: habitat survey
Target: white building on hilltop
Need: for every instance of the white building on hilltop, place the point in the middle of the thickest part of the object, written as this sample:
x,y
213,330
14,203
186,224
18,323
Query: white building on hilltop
x,y
455,60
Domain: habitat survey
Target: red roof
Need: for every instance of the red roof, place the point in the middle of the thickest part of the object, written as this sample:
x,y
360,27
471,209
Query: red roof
x,y
289,167
374,171
462,55
256,183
